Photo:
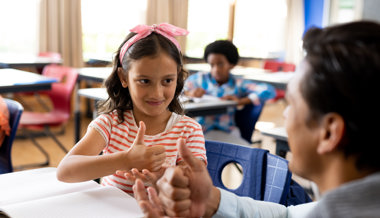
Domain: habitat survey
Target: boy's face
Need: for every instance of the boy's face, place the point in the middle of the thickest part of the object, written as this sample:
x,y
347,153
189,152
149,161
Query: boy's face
x,y
220,67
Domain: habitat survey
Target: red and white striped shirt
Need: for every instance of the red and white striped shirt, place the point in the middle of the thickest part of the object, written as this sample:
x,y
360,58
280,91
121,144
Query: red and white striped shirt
x,y
120,137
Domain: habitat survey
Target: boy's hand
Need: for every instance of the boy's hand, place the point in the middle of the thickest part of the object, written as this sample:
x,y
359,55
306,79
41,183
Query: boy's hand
x,y
197,93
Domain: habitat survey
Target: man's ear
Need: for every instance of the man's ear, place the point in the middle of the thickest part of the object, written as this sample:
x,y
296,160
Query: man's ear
x,y
123,79
331,132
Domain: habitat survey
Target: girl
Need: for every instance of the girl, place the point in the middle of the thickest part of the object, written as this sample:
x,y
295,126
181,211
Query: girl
x,y
141,120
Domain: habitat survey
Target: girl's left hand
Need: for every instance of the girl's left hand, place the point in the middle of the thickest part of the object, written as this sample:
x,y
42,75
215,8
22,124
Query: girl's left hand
x,y
145,175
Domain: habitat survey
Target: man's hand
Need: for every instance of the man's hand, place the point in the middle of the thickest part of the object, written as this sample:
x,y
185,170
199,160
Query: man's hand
x,y
188,186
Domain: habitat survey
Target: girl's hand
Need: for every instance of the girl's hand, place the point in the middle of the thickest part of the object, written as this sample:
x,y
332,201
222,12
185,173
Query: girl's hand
x,y
145,175
142,157
149,203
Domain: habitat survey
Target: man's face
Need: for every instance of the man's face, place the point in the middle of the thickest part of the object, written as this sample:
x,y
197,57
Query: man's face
x,y
302,139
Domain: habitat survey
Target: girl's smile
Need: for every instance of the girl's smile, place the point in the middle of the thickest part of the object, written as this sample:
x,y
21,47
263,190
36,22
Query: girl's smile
x,y
152,82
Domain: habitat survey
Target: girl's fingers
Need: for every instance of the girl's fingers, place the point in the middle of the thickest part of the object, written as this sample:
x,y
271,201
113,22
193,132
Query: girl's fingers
x,y
140,134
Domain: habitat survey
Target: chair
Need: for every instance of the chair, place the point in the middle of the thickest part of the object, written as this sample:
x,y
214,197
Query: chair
x,y
60,96
53,55
246,119
276,66
265,176
15,110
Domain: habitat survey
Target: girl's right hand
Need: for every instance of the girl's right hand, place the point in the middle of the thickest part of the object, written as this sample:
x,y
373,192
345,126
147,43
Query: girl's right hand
x,y
140,156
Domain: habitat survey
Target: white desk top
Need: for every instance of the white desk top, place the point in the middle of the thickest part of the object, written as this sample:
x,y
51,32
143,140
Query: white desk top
x,y
13,80
277,133
94,73
277,79
17,60
101,94
38,193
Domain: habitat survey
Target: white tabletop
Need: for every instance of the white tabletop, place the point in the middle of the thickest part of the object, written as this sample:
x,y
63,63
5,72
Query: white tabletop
x,y
13,80
277,79
277,133
101,94
98,74
24,60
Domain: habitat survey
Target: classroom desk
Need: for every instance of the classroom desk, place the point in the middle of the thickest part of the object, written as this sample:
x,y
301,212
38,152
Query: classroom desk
x,y
192,109
20,61
13,80
277,79
281,137
38,193
93,74
88,74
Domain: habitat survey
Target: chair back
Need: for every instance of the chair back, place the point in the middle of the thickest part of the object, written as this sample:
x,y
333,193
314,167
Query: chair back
x,y
15,110
54,55
246,119
276,66
265,176
60,93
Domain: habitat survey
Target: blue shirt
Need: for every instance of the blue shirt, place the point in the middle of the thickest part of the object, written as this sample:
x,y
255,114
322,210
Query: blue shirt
x,y
234,86
231,205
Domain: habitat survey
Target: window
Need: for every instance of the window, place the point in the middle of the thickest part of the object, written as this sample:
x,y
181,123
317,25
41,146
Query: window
x,y
19,34
106,23
258,26
207,21
345,11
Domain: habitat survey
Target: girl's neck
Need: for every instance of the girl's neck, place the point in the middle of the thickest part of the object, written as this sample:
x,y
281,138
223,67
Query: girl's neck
x,y
154,125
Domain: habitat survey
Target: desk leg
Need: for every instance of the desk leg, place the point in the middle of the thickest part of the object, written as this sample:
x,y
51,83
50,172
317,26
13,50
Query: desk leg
x,y
282,148
77,116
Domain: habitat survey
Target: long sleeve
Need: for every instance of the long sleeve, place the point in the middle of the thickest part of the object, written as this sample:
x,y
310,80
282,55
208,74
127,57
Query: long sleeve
x,y
232,205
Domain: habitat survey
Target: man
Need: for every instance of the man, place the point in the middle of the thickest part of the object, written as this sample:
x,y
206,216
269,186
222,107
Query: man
x,y
329,121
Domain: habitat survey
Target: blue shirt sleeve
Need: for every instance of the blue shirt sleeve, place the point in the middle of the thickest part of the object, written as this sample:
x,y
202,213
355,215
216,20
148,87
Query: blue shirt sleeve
x,y
263,91
232,205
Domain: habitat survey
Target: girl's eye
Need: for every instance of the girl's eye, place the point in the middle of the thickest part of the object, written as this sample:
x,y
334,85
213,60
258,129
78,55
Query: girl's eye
x,y
168,81
144,81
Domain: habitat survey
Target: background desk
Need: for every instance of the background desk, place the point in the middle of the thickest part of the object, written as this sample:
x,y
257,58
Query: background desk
x,y
277,79
281,137
191,109
20,61
93,74
13,80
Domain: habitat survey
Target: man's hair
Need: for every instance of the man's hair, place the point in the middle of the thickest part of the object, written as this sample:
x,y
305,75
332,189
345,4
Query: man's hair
x,y
224,47
343,78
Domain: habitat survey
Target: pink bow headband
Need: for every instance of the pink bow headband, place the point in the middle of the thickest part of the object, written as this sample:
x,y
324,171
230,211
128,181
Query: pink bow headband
x,y
164,29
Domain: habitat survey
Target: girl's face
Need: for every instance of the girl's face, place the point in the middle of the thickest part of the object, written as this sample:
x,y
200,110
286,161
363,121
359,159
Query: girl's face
x,y
152,81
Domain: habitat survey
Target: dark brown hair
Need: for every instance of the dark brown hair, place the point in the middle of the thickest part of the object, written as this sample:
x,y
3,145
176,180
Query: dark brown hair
x,y
343,78
152,45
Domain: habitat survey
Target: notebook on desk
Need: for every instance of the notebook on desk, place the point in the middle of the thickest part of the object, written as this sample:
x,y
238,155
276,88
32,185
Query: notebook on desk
x,y
37,193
